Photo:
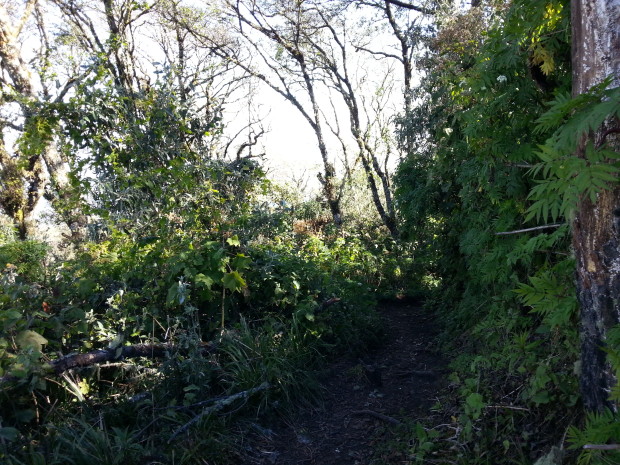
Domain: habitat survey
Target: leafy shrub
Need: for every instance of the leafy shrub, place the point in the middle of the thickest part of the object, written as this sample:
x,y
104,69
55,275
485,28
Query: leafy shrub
x,y
28,258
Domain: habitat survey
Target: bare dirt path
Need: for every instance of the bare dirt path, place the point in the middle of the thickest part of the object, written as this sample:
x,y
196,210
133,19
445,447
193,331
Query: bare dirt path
x,y
367,399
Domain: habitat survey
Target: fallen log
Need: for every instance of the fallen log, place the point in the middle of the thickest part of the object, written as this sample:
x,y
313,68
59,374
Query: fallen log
x,y
71,361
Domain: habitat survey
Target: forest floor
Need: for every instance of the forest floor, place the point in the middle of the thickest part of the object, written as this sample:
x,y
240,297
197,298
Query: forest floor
x,y
369,401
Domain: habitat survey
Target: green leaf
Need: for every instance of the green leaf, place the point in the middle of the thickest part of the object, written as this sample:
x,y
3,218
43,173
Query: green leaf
x,y
30,340
173,292
233,241
203,280
241,262
233,281
474,404
86,287
541,397
144,241
25,416
8,434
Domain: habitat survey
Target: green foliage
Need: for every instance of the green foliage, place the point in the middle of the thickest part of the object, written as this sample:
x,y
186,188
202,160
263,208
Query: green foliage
x,y
7,231
26,258
280,353
507,300
171,244
551,294
599,429
181,280
567,176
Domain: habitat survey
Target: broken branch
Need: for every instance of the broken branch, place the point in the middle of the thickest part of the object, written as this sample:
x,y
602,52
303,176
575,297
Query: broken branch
x,y
219,405
518,231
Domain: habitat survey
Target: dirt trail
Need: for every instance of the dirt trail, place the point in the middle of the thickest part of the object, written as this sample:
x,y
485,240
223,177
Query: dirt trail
x,y
366,398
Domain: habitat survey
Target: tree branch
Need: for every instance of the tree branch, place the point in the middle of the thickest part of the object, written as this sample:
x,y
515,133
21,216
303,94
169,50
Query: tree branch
x,y
518,231
219,405
359,48
249,143
605,134
24,19
69,362
409,6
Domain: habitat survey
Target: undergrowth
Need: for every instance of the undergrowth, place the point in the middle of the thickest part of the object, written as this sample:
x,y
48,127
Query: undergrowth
x,y
273,310
500,129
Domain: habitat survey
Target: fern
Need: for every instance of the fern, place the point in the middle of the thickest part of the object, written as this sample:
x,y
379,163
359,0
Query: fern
x,y
551,294
565,177
524,250
563,107
600,428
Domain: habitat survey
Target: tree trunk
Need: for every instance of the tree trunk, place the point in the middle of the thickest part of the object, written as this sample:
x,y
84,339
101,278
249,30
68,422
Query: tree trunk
x,y
24,183
596,227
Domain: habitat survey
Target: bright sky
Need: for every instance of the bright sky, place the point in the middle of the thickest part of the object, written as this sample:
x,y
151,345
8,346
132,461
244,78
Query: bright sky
x,y
291,146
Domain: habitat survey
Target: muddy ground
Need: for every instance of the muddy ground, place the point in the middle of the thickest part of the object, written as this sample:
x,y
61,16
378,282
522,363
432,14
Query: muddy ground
x,y
369,401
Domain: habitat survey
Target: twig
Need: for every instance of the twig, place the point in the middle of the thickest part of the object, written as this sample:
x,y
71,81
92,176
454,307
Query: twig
x,y
602,446
219,406
409,6
508,407
546,226
521,165
378,415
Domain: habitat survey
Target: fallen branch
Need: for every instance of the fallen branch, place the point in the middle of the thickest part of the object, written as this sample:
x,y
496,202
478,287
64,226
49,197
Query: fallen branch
x,y
328,303
521,165
422,373
602,446
518,231
378,415
69,362
219,405
508,407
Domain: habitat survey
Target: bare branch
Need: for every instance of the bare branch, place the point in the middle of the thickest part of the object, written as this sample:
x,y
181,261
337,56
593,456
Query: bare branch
x,y
409,6
378,54
602,446
537,228
252,142
219,405
69,362
25,16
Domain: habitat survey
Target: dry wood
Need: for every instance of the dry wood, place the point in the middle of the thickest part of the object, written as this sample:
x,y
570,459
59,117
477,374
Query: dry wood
x,y
219,405
536,228
423,373
602,446
69,362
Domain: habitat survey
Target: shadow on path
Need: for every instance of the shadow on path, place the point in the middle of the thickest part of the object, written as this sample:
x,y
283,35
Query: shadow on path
x,y
366,399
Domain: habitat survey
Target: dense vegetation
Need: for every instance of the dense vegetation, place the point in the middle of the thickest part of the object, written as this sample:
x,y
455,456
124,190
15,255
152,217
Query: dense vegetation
x,y
188,299
488,203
